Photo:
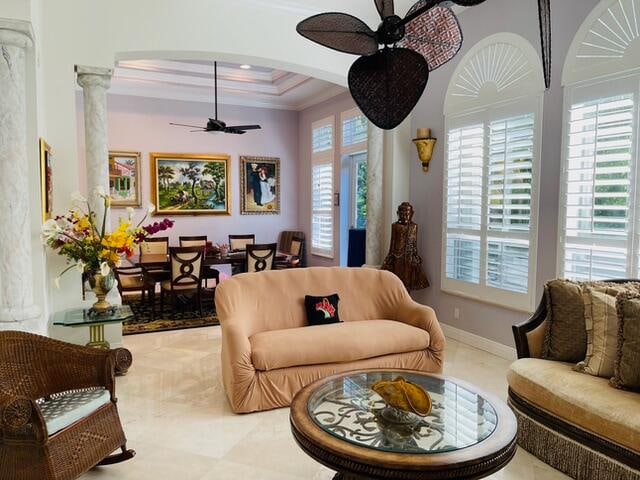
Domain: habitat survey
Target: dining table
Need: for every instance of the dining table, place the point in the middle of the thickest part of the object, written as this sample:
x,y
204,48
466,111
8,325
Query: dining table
x,y
161,260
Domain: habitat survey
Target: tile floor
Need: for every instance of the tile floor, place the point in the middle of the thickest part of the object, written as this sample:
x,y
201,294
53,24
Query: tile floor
x,y
176,417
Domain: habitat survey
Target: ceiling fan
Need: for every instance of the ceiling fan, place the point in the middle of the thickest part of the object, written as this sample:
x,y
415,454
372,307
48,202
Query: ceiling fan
x,y
391,74
215,125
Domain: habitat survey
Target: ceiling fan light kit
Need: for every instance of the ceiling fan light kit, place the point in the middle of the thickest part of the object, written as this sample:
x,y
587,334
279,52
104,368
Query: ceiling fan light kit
x,y
390,76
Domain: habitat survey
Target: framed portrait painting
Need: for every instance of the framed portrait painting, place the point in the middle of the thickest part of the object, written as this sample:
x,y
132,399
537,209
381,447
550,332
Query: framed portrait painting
x,y
185,184
124,179
46,180
259,185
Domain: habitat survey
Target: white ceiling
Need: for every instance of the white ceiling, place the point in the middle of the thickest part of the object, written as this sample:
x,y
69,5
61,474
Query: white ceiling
x,y
193,81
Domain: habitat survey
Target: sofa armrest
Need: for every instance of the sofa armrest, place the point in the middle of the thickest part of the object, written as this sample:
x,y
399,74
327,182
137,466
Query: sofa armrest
x,y
424,317
237,367
529,335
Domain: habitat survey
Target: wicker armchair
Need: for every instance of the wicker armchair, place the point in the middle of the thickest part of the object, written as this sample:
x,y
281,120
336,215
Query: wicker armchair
x,y
36,372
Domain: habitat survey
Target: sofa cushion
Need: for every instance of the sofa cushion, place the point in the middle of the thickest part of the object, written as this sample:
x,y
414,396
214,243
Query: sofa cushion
x,y
585,401
322,310
65,409
627,363
335,343
601,321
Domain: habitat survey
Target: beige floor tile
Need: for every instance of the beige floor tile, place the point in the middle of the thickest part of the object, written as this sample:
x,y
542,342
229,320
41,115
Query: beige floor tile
x,y
176,415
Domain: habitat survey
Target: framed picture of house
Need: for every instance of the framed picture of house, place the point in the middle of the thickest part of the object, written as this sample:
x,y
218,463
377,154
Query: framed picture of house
x,y
259,185
46,180
190,184
124,179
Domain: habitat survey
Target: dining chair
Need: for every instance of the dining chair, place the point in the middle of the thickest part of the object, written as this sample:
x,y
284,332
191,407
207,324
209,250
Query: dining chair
x,y
238,243
284,244
134,280
261,257
193,241
155,246
208,272
296,247
186,277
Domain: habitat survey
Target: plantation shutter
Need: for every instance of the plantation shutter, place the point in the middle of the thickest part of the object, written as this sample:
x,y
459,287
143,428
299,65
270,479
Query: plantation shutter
x,y
491,204
322,218
464,202
354,129
509,202
598,181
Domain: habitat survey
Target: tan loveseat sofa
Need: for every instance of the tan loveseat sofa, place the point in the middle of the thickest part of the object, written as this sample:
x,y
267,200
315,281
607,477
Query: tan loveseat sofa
x,y
575,422
268,352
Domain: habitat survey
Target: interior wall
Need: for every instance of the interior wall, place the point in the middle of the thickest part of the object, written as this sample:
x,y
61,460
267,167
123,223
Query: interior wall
x,y
142,125
427,189
333,107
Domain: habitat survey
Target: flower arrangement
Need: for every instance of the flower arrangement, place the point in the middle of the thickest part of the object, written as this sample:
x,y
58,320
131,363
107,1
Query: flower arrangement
x,y
89,247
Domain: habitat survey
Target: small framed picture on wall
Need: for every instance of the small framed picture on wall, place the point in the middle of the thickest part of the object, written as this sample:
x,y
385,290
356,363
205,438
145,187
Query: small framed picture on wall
x,y
124,179
46,180
259,185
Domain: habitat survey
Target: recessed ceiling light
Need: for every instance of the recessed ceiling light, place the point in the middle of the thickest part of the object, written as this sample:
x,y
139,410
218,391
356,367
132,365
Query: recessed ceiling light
x,y
245,67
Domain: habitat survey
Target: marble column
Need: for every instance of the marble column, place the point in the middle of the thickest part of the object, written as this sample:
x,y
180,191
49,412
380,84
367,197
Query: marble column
x,y
95,82
375,196
16,286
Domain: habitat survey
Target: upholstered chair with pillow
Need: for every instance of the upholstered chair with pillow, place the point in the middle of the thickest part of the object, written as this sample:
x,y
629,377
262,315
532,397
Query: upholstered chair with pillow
x,y
277,338
583,340
58,413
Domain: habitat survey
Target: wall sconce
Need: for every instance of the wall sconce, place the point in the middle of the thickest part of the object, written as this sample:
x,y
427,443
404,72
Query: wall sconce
x,y
425,145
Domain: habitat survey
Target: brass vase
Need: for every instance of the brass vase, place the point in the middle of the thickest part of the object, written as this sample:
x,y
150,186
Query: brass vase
x,y
101,286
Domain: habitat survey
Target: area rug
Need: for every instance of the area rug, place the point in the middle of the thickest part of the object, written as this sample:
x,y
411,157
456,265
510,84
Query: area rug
x,y
184,317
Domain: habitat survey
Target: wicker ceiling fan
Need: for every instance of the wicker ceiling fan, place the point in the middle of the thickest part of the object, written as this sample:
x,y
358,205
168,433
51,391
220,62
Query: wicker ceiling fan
x,y
392,72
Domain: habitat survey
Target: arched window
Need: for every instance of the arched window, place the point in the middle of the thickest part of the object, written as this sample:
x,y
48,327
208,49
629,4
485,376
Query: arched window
x,y
598,211
493,114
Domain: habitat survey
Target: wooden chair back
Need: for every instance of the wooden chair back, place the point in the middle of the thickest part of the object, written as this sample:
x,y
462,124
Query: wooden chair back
x,y
296,246
130,279
186,267
193,241
155,246
238,243
261,257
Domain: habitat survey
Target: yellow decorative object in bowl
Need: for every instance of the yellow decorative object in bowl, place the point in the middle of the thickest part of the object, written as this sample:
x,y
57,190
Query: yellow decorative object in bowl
x,y
404,395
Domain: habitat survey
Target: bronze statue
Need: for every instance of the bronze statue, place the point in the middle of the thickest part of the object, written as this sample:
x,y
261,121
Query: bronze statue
x,y
403,258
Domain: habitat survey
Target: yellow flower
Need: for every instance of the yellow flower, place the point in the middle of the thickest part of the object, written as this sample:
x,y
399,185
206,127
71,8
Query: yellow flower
x,y
110,256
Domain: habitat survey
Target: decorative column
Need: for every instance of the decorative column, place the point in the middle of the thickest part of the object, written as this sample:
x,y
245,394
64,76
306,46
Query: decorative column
x,y
388,161
16,289
95,82
375,196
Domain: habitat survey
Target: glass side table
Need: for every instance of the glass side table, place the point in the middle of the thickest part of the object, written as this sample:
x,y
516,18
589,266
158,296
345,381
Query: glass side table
x,y
80,317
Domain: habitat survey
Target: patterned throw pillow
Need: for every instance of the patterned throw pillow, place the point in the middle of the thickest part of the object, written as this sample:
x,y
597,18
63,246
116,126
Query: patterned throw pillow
x,y
627,363
322,310
566,335
601,321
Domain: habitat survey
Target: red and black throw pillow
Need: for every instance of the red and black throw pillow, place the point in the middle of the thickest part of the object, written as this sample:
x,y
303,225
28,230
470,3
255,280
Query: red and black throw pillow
x,y
322,310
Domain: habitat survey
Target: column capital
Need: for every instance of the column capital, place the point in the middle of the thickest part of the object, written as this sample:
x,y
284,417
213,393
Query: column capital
x,y
16,33
93,76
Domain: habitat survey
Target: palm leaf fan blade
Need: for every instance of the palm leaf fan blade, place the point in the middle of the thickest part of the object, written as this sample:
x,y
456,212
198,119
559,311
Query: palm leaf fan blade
x,y
341,32
386,86
435,34
385,8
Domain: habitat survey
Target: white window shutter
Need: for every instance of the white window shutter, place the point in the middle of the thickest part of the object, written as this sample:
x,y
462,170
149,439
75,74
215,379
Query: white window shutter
x,y
322,188
598,175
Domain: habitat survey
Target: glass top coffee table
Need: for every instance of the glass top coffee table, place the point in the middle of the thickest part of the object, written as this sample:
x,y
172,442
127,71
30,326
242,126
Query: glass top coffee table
x,y
345,425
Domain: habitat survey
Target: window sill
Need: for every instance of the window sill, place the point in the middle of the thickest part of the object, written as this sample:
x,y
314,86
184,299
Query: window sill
x,y
323,255
484,300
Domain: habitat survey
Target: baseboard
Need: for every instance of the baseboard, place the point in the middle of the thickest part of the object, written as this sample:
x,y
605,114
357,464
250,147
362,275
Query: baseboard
x,y
482,343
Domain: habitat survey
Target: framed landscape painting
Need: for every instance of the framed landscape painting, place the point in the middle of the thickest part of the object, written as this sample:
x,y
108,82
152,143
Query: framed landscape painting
x,y
184,184
124,179
259,185
46,184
